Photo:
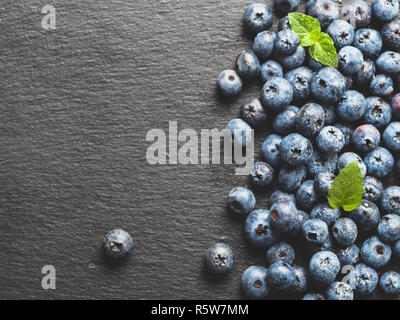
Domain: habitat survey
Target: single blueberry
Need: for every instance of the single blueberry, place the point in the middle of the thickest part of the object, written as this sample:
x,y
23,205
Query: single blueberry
x,y
264,44
257,17
117,244
278,195
219,258
276,94
287,41
373,189
391,136
366,216
323,182
378,112
229,83
258,229
385,10
396,106
381,85
281,276
247,65
315,231
341,32
283,215
379,162
389,228
349,255
324,212
328,85
241,200
368,41
362,279
283,23
388,63
284,123
295,149
271,69
302,279
390,283
270,150
349,157
253,112
330,140
286,6
307,196
320,162
294,60
262,174
366,138
345,232
254,282
310,119
364,76
390,33
352,106
350,59
300,80
281,251
339,291
375,253
324,267
391,200
325,11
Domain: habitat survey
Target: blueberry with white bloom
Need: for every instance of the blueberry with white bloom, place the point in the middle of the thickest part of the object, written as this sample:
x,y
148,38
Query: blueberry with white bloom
x,y
310,119
295,149
378,112
363,279
262,174
287,41
323,181
341,32
290,178
379,162
358,13
366,216
388,62
307,196
264,44
302,279
349,255
390,201
350,59
219,258
330,140
281,276
285,122
352,106
253,112
270,150
293,60
254,282
257,17
313,296
324,267
339,291
328,85
373,188
276,94
375,253
390,283
247,65
286,6
366,138
258,229
396,249
241,200
283,215
385,10
381,85
117,244
278,195
364,76
389,228
391,35
368,41
315,231
345,232
391,136
229,83
325,11
271,69
281,251
347,131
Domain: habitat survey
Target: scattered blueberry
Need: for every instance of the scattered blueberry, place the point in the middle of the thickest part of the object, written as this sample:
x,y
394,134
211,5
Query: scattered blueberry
x,y
352,106
270,150
219,258
315,231
229,83
310,119
254,282
287,41
281,276
241,200
271,69
307,196
258,229
362,279
247,65
368,41
349,157
364,76
349,255
290,178
319,163
330,140
117,244
378,112
391,200
391,136
328,85
389,228
350,59
285,122
390,34
325,11
286,6
341,32
262,174
373,189
264,44
385,10
381,85
366,216
253,112
324,212
257,17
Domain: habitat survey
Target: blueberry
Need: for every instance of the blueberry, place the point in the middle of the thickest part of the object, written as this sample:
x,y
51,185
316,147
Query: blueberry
x,y
396,249
302,279
345,232
323,182
254,282
287,41
364,76
276,94
378,112
315,231
381,85
358,14
375,253
284,122
390,283
396,106
379,162
258,229
290,178
262,174
307,196
310,119
286,6
349,157
366,216
281,275
330,116
391,35
219,258
241,200
324,267
229,83
324,212
313,296
366,138
281,251
391,136
117,244
257,17
302,217
253,112
349,255
389,228
391,200
294,60
319,163
328,85
247,65
295,149
278,195
325,11
283,23
389,62
339,291
241,132
373,189
368,41
350,59
341,32
352,106
271,69
283,215
363,279
385,10
347,131
264,44
270,150
330,140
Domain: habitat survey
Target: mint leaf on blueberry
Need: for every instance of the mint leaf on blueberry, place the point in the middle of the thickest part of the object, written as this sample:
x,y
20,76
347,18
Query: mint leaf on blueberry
x,y
321,46
348,188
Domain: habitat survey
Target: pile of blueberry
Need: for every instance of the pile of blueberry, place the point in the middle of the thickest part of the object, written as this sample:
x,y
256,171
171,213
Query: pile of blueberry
x,y
324,118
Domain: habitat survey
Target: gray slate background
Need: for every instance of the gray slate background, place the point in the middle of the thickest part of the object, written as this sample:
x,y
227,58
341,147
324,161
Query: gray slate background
x,y
75,107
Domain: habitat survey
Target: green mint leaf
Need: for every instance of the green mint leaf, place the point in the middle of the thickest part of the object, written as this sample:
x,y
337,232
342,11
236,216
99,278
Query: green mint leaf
x,y
303,24
324,51
307,41
348,188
